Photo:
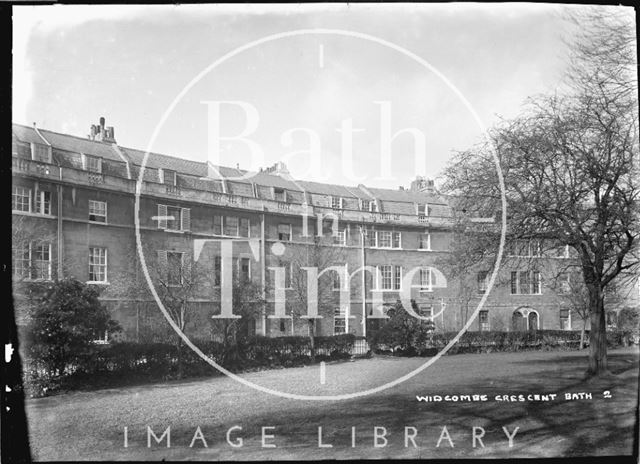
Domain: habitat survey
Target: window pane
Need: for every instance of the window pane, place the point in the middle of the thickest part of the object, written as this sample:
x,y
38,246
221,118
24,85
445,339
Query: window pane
x,y
524,283
94,164
43,202
174,213
482,281
244,227
20,199
21,264
97,264
217,225
384,239
396,240
174,268
397,277
514,282
231,226
284,232
339,321
42,261
386,277
97,211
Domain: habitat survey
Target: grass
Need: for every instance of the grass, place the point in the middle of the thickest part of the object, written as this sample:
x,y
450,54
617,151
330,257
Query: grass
x,y
90,425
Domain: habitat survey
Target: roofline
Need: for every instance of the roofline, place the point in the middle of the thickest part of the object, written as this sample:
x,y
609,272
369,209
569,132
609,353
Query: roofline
x,y
116,147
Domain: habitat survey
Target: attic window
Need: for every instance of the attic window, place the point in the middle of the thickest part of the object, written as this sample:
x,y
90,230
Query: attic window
x,y
93,164
41,152
423,210
279,194
336,202
168,177
369,205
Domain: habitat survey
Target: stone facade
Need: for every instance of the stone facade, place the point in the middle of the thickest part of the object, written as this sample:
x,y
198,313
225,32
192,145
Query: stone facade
x,y
77,197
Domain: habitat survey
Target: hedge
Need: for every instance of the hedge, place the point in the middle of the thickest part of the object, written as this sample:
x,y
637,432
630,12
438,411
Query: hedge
x,y
121,363
493,341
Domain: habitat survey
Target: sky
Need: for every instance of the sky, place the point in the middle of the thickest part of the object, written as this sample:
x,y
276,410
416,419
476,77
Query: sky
x,y
372,94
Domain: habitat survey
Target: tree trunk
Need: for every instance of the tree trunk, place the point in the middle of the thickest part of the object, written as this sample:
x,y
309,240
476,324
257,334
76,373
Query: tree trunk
x,y
597,334
582,333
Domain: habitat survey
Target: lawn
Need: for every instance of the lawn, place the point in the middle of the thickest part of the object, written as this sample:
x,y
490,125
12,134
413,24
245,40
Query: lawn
x,y
90,425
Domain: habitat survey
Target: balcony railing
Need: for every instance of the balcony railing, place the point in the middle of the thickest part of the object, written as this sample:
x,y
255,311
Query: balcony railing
x,y
119,184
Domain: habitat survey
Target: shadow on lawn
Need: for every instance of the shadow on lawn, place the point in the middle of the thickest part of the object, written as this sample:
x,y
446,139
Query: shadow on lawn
x,y
597,426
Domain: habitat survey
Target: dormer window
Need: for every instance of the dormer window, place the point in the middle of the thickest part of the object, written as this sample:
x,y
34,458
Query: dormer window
x,y
93,164
279,194
369,205
41,152
168,177
336,202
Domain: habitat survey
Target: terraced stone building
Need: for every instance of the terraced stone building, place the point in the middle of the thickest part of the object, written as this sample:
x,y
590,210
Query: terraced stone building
x,y
74,214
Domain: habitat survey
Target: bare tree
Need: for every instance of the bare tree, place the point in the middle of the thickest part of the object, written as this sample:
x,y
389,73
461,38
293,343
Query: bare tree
x,y
570,171
321,253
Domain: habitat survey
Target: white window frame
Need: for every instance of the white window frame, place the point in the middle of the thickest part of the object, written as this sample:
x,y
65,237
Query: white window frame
x,y
486,325
339,202
341,238
98,264
482,283
36,261
20,258
382,279
41,206
426,279
19,192
93,204
397,278
164,224
369,205
379,239
568,319
164,173
531,277
397,234
339,316
428,236
423,209
515,246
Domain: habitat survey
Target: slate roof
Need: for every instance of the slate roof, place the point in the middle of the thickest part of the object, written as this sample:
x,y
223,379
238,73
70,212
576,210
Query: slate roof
x,y
199,169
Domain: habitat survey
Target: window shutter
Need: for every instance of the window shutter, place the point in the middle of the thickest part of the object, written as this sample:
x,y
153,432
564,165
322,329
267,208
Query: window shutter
x,y
162,216
186,219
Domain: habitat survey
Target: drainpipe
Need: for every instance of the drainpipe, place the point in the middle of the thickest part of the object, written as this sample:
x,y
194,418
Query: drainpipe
x,y
363,283
263,266
59,231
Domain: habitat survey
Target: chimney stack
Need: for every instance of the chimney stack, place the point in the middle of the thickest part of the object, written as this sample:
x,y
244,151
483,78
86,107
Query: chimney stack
x,y
422,184
101,133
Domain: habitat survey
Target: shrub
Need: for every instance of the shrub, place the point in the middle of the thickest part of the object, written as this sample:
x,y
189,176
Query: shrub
x,y
63,319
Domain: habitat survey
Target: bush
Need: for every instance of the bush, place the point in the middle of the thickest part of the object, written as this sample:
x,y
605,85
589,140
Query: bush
x,y
127,362
482,342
